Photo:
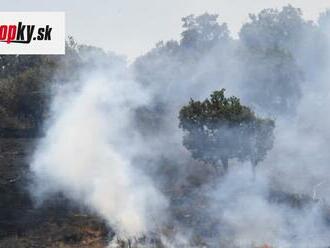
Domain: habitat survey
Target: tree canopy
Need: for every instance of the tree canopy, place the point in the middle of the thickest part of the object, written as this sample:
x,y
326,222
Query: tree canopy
x,y
219,128
26,81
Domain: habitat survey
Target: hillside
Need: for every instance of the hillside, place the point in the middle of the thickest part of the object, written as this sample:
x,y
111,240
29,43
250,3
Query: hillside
x,y
54,224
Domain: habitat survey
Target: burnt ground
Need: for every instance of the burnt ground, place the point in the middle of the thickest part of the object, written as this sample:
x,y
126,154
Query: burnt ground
x,y
61,224
57,223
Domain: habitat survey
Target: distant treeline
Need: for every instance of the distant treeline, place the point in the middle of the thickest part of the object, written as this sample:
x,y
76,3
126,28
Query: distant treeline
x,y
275,53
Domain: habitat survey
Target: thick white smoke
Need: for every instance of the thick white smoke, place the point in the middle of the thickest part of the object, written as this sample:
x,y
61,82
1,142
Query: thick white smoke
x,y
288,203
92,153
88,154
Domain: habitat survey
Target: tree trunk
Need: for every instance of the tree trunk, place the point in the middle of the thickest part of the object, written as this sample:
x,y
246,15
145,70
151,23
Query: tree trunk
x,y
216,169
254,173
224,162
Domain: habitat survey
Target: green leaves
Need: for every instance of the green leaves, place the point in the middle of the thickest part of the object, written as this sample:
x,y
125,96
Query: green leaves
x,y
220,128
218,110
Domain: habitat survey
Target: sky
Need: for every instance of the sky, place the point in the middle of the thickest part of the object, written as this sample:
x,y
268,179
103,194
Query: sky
x,y
132,27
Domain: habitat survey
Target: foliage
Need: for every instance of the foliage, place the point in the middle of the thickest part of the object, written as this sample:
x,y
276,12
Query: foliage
x,y
25,86
220,128
203,32
267,60
273,81
271,45
274,29
26,81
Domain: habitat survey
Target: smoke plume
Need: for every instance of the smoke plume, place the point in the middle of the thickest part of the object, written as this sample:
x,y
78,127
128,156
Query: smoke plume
x,y
88,154
113,143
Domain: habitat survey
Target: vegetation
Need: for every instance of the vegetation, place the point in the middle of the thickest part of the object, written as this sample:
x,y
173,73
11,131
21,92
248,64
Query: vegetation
x,y
26,81
220,128
269,71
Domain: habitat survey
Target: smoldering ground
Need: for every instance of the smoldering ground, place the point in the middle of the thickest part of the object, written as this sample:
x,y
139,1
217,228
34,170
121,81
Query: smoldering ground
x,y
113,143
83,161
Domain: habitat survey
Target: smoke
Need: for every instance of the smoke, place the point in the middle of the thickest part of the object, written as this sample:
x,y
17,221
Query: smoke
x,y
113,144
88,154
288,204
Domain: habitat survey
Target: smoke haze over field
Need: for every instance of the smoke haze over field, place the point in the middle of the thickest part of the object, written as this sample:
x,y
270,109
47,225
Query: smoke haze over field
x,y
113,141
86,155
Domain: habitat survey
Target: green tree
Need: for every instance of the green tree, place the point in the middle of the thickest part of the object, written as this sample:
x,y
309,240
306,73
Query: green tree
x,y
274,29
203,32
275,68
220,128
26,82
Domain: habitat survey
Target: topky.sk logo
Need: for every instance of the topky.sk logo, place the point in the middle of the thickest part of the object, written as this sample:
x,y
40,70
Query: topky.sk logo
x,y
32,33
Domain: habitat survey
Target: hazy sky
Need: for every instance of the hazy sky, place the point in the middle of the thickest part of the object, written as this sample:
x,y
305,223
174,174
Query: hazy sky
x,y
131,27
